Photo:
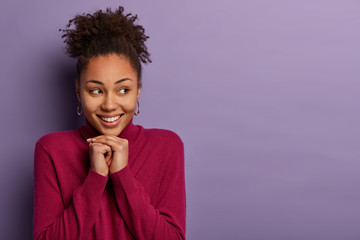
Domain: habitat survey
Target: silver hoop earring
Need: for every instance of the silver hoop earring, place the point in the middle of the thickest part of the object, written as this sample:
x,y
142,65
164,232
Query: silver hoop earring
x,y
79,109
138,111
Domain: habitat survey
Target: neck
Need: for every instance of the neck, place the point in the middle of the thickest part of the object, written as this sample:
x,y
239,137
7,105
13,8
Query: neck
x,y
88,131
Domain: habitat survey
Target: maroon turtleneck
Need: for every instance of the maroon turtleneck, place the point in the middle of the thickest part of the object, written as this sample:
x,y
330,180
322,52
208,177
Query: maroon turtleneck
x,y
145,200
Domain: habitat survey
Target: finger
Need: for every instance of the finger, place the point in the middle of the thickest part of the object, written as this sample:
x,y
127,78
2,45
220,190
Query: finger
x,y
101,148
108,155
109,162
116,144
90,140
106,139
102,137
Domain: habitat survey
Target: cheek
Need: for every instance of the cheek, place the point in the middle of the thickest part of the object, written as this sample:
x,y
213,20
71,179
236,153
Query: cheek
x,y
90,104
129,105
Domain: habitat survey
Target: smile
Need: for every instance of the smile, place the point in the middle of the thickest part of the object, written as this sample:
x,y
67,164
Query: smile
x,y
109,119
112,119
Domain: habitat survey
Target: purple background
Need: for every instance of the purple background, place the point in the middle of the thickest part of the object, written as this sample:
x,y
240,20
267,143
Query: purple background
x,y
264,94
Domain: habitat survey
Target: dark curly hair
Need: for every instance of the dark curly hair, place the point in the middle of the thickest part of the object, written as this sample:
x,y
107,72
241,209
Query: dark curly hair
x,y
106,32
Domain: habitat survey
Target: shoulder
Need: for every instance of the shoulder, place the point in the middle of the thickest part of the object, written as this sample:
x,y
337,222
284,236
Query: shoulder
x,y
163,141
163,135
59,139
166,146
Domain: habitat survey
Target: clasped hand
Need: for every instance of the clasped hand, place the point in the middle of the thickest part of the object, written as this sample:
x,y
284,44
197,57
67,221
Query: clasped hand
x,y
108,154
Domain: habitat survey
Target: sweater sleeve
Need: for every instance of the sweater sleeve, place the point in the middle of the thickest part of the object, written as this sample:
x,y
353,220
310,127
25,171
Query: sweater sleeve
x,y
166,221
51,220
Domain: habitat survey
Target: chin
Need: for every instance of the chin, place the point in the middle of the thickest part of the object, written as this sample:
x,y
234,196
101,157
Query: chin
x,y
113,132
109,126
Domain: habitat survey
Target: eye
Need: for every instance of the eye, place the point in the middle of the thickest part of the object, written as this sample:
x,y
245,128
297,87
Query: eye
x,y
95,91
123,91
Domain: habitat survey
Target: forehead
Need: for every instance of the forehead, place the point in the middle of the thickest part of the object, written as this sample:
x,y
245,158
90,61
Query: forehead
x,y
109,69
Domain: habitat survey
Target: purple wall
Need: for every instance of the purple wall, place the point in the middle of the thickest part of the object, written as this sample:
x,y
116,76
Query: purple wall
x,y
265,95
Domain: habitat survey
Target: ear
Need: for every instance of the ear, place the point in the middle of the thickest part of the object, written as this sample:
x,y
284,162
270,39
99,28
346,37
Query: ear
x,y
77,88
138,94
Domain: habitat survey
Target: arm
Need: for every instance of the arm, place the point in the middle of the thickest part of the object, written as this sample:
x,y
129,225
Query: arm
x,y
145,221
51,220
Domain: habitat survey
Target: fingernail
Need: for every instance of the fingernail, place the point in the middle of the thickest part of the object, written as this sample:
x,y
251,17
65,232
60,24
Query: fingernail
x,y
89,139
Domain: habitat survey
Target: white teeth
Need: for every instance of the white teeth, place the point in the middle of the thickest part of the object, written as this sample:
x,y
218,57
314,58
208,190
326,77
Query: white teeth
x,y
112,119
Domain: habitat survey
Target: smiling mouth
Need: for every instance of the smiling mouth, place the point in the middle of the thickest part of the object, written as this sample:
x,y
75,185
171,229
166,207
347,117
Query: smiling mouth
x,y
110,119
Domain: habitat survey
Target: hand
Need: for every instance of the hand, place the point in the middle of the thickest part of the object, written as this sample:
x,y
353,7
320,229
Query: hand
x,y
100,157
119,151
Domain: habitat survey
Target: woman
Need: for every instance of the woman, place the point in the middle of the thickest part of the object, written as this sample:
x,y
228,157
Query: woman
x,y
109,179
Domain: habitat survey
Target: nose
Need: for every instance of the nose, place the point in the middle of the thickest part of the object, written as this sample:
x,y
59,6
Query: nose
x,y
109,104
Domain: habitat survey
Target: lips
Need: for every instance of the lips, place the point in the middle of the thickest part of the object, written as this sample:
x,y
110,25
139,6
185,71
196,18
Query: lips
x,y
110,119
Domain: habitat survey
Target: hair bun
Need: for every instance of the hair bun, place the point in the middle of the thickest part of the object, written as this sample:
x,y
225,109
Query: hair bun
x,y
83,30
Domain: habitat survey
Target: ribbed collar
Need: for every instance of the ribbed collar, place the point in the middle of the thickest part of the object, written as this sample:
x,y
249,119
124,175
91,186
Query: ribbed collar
x,y
129,132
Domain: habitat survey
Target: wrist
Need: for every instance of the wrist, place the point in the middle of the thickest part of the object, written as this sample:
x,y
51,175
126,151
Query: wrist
x,y
114,169
103,173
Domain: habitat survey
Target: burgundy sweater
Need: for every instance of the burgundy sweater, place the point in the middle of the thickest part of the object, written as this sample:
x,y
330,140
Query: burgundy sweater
x,y
145,200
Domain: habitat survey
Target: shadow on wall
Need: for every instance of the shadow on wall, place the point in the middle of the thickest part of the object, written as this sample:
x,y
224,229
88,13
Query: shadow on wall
x,y
19,212
59,99
62,72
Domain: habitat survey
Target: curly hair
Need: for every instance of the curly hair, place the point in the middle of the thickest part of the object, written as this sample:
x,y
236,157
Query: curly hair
x,y
106,32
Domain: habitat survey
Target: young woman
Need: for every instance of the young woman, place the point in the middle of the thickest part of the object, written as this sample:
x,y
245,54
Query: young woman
x,y
109,179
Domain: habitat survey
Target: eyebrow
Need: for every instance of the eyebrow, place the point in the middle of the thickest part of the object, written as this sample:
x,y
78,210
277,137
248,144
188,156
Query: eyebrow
x,y
101,83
